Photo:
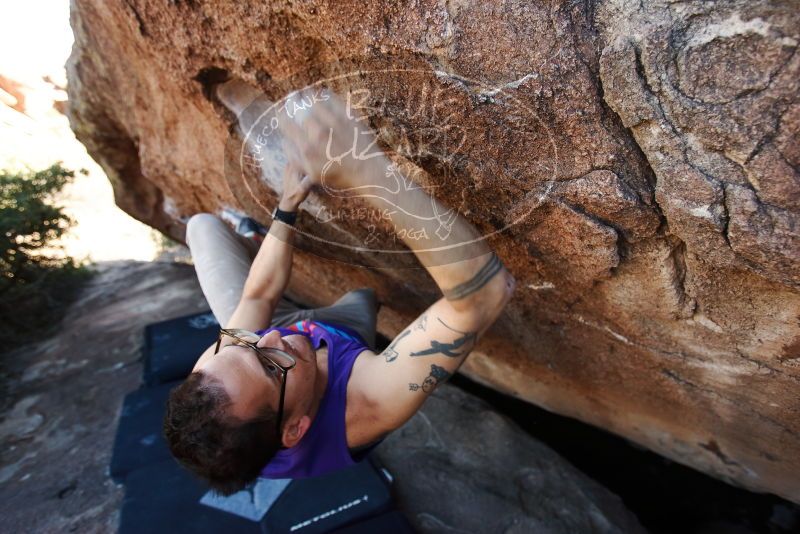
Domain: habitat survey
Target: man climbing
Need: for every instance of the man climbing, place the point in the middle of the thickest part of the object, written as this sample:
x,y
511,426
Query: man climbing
x,y
309,394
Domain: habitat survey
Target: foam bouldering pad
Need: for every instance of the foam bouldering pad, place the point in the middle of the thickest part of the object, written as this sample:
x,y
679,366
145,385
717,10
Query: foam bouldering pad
x,y
164,497
140,440
393,522
252,503
172,347
321,504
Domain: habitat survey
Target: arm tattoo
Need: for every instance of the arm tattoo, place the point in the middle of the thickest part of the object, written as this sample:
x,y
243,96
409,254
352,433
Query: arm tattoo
x,y
436,377
390,353
480,279
454,349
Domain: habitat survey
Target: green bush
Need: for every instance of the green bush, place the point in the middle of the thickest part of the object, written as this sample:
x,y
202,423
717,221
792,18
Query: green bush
x,y
37,284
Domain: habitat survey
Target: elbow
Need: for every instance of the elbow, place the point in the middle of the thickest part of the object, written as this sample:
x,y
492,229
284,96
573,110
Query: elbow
x,y
265,289
509,286
499,294
487,304
505,290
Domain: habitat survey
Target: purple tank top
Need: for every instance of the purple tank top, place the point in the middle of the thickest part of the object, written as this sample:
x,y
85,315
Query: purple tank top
x,y
323,448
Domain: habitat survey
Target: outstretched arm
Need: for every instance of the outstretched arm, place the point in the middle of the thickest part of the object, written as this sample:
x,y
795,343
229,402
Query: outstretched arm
x,y
476,287
338,151
270,271
272,267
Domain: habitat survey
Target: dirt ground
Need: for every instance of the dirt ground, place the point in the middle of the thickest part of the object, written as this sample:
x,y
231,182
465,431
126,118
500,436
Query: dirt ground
x,y
62,398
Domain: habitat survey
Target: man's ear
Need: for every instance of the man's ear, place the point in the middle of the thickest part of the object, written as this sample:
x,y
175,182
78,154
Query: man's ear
x,y
295,430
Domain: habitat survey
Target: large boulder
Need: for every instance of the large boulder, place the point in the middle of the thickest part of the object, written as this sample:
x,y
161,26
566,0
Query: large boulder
x,y
634,164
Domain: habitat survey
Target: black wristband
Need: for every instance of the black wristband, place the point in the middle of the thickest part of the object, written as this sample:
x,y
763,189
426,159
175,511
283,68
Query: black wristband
x,y
286,217
481,278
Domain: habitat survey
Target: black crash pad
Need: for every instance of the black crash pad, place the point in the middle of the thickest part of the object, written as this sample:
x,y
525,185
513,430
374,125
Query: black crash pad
x,y
164,497
172,347
140,440
161,496
321,504
393,522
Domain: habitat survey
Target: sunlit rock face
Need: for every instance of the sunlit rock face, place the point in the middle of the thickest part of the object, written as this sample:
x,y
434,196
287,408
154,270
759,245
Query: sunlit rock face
x,y
635,166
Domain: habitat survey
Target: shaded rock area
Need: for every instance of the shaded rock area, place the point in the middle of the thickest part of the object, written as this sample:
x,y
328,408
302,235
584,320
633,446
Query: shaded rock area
x,y
459,466
62,398
666,497
635,162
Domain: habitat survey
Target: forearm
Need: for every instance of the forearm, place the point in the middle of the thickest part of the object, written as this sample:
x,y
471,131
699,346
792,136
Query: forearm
x,y
270,271
338,152
449,246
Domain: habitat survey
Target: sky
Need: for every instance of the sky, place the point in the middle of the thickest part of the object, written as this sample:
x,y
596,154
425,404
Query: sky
x,y
35,41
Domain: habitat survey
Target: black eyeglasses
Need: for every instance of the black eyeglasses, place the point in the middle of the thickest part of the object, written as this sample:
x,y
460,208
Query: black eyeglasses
x,y
273,360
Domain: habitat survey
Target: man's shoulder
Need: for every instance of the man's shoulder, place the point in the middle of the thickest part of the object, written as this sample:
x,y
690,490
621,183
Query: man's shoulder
x,y
362,417
363,369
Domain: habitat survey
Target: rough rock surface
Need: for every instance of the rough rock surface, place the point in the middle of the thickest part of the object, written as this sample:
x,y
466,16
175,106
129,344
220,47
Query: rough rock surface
x,y
645,152
459,466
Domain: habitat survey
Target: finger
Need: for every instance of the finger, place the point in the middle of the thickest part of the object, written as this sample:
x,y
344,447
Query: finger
x,y
291,168
306,183
236,94
301,167
293,144
298,172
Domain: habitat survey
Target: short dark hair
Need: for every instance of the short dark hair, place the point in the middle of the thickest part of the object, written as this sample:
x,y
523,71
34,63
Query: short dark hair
x,y
225,451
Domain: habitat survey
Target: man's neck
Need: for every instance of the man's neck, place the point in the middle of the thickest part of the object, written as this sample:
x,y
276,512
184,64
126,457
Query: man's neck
x,y
321,382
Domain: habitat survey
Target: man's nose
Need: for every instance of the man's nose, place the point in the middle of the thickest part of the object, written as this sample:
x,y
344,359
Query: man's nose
x,y
271,340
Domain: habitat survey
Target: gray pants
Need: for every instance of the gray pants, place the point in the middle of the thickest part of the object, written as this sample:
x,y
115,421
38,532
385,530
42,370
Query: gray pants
x,y
222,259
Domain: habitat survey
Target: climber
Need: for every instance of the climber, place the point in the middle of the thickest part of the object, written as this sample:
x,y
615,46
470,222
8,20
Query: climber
x,y
289,392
